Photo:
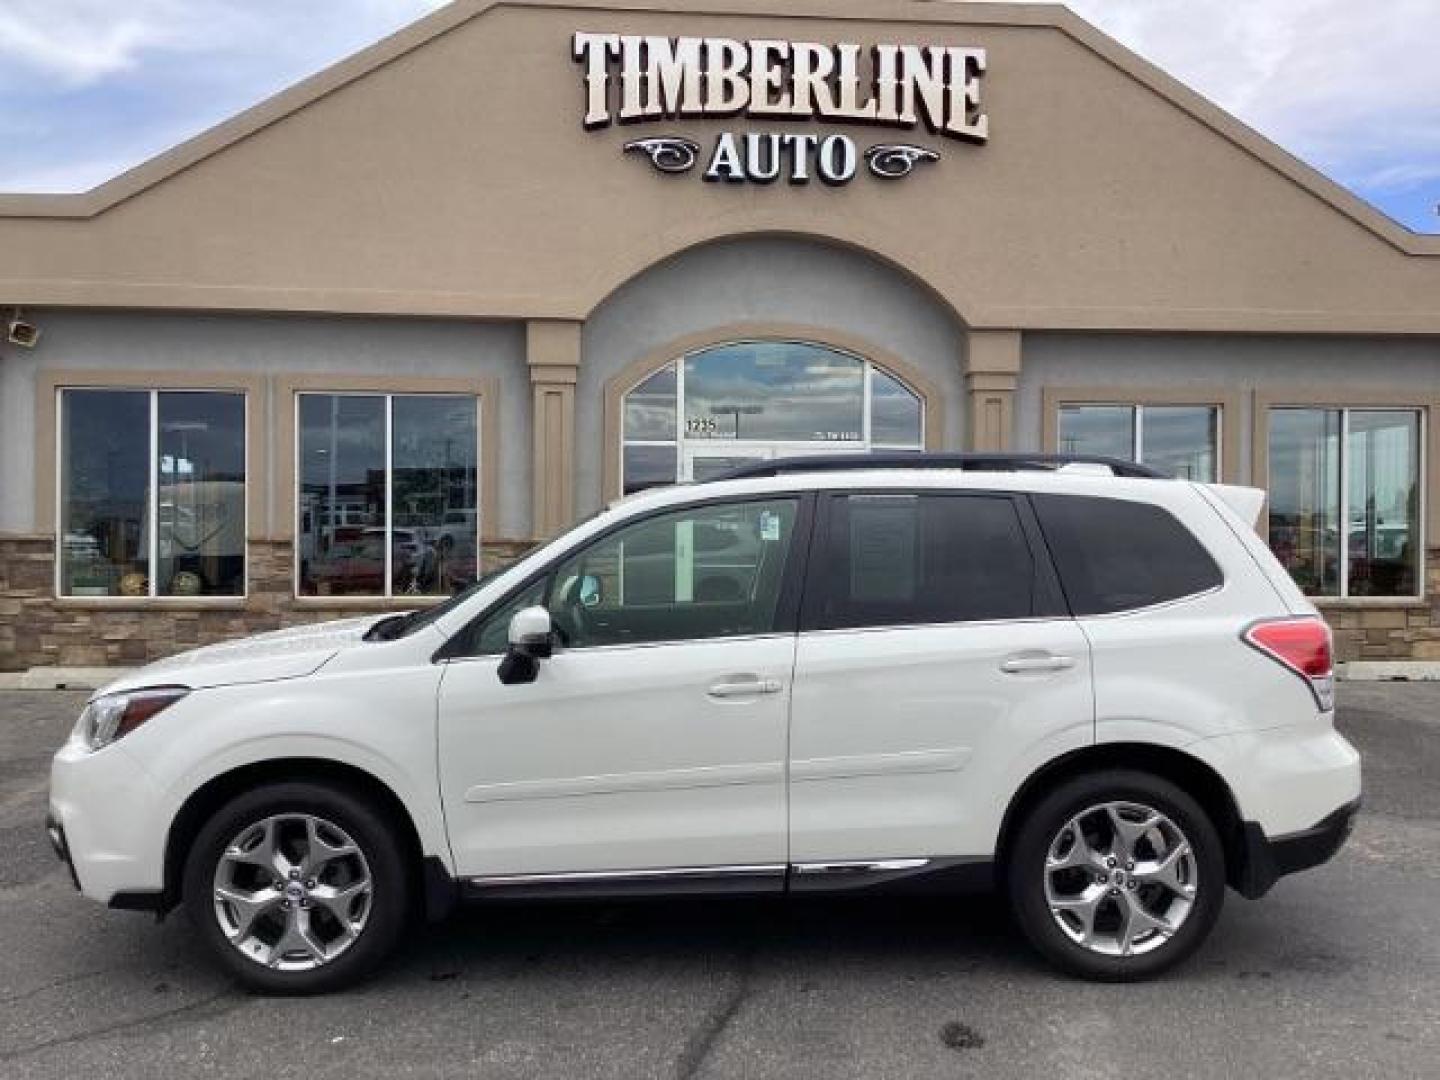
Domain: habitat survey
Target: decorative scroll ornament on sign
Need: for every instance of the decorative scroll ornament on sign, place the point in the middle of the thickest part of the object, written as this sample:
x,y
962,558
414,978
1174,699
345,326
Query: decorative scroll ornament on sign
x,y
633,79
892,161
668,154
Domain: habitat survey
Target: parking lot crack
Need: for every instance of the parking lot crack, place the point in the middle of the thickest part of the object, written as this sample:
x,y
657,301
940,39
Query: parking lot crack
x,y
203,1007
714,1024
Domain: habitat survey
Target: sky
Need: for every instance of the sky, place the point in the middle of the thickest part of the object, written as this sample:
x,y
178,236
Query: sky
x,y
89,88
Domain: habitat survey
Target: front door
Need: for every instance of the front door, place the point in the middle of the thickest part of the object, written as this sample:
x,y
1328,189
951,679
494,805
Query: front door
x,y
653,741
935,661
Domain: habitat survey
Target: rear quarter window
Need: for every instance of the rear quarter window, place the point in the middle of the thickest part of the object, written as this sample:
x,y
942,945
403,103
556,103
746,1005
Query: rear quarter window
x,y
1114,555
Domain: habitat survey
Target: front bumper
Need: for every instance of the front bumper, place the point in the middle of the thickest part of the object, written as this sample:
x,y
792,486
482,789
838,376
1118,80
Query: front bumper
x,y
1266,861
56,832
107,822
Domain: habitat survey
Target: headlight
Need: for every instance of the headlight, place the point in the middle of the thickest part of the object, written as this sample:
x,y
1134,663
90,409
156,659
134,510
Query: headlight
x,y
115,715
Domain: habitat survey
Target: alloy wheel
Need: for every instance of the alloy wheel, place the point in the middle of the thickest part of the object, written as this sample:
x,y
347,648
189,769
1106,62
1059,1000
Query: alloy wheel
x,y
292,892
1121,878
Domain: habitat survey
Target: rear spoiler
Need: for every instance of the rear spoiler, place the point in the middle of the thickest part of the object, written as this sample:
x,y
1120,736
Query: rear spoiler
x,y
1240,508
1247,502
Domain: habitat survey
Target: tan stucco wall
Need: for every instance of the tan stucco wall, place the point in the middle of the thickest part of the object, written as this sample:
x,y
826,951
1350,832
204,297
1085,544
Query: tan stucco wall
x,y
447,172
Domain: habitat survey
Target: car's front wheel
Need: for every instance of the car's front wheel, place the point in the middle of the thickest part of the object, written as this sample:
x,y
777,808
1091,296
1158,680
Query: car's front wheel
x,y
1116,875
297,887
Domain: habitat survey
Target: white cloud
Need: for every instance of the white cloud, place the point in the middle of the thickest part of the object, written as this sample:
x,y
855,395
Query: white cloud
x,y
82,42
89,88
78,42
1353,87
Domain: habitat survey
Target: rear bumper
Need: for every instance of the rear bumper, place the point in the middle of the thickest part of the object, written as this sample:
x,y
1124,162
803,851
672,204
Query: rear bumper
x,y
1266,861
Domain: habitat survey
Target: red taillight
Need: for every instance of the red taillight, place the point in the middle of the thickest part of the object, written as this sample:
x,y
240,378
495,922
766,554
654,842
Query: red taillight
x,y
1303,646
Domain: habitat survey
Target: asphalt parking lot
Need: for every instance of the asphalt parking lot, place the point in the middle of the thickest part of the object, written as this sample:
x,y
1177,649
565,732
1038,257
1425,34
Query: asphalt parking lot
x,y
1336,973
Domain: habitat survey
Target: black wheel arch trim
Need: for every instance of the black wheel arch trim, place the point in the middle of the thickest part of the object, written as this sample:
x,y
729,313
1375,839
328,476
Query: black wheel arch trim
x,y
1268,860
1191,774
218,790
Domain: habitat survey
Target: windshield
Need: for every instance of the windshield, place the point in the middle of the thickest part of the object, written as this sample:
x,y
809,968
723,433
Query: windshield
x,y
394,627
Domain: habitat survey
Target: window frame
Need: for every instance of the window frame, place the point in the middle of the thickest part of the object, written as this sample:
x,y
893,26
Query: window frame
x,y
387,596
1137,427
1227,405
283,511
1049,601
787,607
152,598
1266,406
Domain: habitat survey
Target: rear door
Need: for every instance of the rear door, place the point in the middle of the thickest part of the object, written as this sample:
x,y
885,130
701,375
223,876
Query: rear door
x,y
936,660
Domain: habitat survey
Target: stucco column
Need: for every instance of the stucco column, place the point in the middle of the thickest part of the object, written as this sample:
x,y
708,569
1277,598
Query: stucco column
x,y
553,351
992,372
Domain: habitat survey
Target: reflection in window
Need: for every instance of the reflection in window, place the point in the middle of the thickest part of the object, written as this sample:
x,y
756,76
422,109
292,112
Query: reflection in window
x,y
435,494
895,414
1360,538
1383,503
758,400
648,467
775,392
650,408
1304,491
372,526
201,489
1178,440
1100,430
1379,450
152,493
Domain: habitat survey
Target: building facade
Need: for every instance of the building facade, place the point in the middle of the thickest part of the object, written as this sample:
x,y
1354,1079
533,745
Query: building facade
x,y
393,326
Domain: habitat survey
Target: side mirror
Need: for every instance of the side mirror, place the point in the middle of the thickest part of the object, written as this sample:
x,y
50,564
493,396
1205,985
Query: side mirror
x,y
532,639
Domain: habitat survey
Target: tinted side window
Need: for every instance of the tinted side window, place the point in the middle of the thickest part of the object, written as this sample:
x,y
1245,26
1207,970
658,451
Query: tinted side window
x,y
899,560
1114,555
704,572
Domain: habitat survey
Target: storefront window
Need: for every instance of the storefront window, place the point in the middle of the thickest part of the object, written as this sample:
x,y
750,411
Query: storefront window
x,y
1344,500
730,405
774,392
389,494
1178,440
152,493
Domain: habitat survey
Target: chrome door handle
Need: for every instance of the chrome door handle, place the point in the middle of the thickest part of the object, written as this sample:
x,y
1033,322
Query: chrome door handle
x,y
747,688
1028,665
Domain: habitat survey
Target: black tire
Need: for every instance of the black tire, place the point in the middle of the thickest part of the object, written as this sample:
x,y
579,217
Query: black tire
x,y
1026,874
389,904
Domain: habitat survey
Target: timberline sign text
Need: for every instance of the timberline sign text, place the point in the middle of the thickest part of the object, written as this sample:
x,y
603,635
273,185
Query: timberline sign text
x,y
634,79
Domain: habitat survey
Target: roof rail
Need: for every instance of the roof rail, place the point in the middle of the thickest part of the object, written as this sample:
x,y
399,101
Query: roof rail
x,y
963,462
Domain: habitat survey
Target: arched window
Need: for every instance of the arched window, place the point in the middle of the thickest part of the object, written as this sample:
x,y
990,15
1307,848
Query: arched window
x,y
729,405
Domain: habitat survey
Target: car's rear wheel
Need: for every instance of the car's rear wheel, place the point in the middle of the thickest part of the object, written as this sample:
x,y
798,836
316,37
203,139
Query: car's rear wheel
x,y
1116,875
297,888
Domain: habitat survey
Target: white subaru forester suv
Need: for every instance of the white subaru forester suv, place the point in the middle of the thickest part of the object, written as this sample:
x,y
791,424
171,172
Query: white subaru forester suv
x,y
1083,684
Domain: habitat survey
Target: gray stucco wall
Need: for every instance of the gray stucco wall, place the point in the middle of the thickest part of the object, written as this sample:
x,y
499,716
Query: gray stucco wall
x,y
261,345
769,280
1238,364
